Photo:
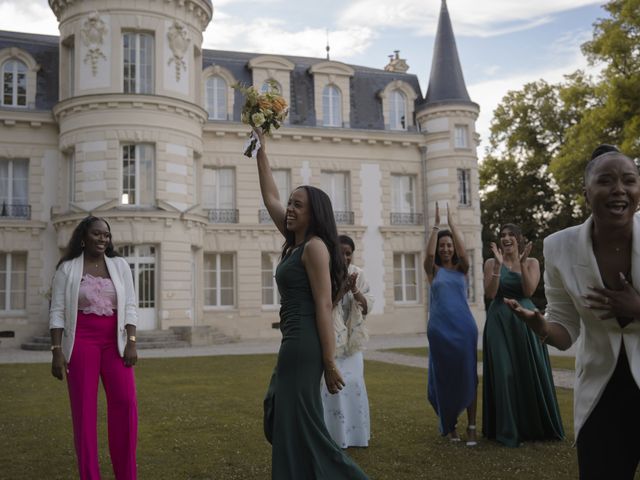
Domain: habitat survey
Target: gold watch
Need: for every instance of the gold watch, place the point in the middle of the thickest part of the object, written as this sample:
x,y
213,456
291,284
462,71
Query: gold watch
x,y
132,338
54,347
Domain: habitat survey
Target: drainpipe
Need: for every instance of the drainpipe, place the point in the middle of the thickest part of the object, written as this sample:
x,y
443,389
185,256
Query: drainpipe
x,y
425,210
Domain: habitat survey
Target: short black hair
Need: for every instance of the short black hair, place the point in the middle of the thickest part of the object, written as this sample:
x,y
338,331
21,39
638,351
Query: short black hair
x,y
599,152
347,240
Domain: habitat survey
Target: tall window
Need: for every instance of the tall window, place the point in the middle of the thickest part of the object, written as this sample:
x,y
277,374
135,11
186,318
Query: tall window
x,y
14,194
138,176
282,177
13,281
464,187
403,193
218,194
68,50
405,277
14,83
216,97
219,280
336,185
142,261
137,62
461,139
331,106
397,110
270,295
71,166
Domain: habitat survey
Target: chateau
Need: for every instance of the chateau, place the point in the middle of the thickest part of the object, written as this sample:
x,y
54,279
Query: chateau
x,y
125,116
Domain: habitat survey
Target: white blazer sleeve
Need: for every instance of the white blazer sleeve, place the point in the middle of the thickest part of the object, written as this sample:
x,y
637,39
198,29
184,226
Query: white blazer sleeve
x,y
58,288
131,299
560,307
363,286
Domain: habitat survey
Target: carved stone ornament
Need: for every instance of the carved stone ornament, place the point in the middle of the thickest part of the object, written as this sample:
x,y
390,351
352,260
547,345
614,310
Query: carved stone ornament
x,y
178,43
92,33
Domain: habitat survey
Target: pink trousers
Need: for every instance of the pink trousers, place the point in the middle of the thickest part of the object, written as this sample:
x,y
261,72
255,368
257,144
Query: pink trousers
x,y
95,356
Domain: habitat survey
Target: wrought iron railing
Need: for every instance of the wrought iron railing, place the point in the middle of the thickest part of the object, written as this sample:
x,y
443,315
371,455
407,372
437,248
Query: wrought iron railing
x,y
15,211
398,218
343,218
223,215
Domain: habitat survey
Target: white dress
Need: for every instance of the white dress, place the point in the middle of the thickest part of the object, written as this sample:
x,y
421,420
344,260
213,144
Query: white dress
x,y
346,413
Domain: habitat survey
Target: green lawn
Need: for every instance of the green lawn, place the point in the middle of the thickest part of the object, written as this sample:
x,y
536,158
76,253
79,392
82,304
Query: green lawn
x,y
557,361
201,418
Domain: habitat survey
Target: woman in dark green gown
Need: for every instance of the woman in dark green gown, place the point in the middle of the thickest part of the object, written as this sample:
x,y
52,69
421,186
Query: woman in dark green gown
x,y
519,399
310,276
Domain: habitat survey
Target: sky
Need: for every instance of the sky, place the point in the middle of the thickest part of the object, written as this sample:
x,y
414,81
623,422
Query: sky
x,y
502,44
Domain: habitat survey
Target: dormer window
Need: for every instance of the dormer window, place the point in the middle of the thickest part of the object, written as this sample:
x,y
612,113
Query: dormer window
x,y
331,107
14,83
397,110
216,97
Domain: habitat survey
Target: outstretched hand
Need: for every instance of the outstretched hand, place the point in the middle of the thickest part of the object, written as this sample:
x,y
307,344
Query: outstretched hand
x,y
523,313
526,252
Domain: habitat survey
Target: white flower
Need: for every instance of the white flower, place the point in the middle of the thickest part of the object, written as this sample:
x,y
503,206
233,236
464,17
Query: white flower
x,y
257,119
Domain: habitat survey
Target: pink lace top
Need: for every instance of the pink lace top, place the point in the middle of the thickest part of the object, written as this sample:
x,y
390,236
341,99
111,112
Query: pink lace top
x,y
97,295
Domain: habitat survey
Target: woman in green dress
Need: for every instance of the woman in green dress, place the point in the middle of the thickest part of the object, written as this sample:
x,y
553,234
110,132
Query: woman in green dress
x,y
310,278
519,399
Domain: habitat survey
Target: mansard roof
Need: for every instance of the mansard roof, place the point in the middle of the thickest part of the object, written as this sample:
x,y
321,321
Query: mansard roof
x,y
44,50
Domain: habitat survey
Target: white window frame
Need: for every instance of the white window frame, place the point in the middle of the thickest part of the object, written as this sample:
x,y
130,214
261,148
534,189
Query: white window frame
x,y
404,286
461,136
216,97
397,110
218,288
143,153
398,192
330,185
272,287
142,80
9,196
18,71
464,187
331,106
217,188
142,260
9,274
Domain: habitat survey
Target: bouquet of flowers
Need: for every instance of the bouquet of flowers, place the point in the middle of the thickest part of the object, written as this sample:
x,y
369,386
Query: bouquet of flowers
x,y
261,110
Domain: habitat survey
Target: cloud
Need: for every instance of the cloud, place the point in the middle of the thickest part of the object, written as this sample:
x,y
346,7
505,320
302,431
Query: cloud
x,y
470,17
33,16
267,35
490,93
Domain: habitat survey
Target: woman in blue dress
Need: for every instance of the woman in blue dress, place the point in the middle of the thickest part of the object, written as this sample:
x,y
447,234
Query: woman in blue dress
x,y
452,332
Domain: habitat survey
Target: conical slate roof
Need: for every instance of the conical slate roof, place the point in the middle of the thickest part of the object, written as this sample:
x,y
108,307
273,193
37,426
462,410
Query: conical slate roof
x,y
446,83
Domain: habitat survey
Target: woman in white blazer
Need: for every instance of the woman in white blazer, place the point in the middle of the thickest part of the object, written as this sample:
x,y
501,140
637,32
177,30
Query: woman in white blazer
x,y
93,317
592,279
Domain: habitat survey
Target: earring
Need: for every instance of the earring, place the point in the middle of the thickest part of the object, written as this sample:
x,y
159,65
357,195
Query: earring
x,y
82,243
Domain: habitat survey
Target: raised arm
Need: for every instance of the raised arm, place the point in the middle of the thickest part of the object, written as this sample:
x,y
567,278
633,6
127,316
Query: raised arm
x,y
530,269
458,243
315,259
268,187
432,245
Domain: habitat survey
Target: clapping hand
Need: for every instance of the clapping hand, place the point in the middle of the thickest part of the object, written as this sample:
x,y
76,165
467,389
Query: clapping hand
x,y
437,215
497,253
526,252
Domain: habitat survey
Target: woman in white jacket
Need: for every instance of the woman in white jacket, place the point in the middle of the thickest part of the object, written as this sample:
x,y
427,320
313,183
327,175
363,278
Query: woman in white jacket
x,y
346,413
592,279
92,319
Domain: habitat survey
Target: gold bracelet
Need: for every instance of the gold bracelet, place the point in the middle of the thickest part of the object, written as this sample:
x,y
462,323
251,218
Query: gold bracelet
x,y
495,274
53,347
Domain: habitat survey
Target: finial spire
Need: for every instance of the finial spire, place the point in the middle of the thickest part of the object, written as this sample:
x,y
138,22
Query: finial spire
x,y
328,47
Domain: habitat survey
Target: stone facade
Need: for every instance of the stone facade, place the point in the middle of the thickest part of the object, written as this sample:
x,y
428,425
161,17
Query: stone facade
x,y
144,131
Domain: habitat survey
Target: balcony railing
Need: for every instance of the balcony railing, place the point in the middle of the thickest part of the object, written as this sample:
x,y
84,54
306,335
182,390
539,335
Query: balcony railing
x,y
223,215
398,218
8,210
263,216
343,218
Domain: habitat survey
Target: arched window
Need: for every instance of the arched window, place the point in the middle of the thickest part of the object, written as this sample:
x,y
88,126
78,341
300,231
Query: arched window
x,y
14,83
216,97
397,110
331,106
